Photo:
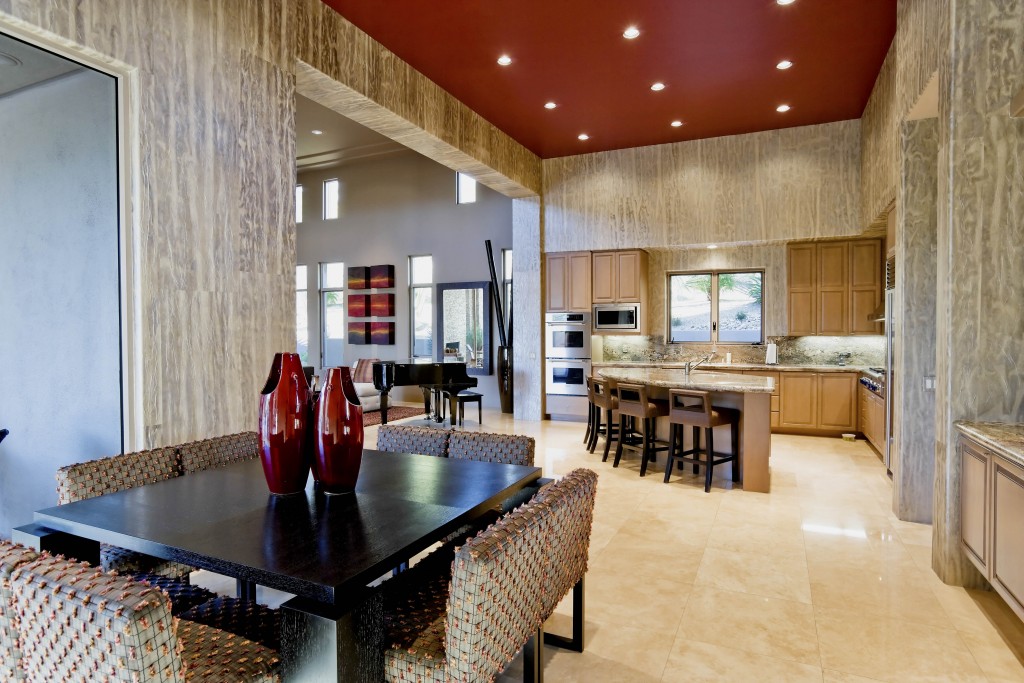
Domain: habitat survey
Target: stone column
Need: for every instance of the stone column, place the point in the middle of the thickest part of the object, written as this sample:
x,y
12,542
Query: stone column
x,y
528,308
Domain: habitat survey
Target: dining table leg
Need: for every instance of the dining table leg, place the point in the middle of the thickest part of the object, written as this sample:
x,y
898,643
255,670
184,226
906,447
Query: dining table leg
x,y
331,644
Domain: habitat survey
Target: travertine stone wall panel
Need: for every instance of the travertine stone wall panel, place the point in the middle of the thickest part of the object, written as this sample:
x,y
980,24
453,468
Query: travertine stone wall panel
x,y
527,297
214,213
981,254
777,185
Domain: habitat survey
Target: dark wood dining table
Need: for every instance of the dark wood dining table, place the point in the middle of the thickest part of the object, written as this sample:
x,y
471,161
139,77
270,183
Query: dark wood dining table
x,y
324,550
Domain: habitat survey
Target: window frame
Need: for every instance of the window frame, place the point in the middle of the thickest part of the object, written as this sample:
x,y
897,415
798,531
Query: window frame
x,y
714,273
323,202
323,291
413,286
299,203
459,175
506,283
304,290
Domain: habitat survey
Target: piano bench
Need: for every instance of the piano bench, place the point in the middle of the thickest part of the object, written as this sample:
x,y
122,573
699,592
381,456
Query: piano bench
x,y
464,397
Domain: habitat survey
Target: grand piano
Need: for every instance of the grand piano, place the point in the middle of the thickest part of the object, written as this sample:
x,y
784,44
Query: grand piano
x,y
432,378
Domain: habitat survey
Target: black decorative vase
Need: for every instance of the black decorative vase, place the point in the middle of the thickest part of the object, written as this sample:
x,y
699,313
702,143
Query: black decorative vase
x,y
505,379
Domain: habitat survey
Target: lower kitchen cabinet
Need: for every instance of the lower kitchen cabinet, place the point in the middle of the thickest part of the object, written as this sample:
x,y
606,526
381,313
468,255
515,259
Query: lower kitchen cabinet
x,y
799,400
872,418
818,402
991,507
837,401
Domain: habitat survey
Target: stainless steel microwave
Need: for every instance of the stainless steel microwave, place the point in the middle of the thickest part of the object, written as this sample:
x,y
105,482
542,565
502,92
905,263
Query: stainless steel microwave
x,y
621,317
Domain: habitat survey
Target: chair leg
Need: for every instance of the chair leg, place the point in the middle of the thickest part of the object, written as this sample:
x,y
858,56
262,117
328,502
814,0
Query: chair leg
x,y
607,435
673,429
645,454
618,446
696,450
578,620
533,658
590,422
480,411
595,428
735,428
710,467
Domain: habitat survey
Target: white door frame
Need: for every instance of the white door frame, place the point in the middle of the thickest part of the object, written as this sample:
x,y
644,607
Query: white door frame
x,y
128,161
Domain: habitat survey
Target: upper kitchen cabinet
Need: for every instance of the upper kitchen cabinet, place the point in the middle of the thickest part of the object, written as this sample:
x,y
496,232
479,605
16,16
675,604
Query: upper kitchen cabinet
x,y
568,281
832,287
619,276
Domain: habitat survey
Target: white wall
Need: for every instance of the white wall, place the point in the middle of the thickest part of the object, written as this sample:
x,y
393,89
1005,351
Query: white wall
x,y
59,290
391,208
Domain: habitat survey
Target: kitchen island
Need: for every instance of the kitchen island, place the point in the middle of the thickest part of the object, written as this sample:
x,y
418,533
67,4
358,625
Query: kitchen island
x,y
749,394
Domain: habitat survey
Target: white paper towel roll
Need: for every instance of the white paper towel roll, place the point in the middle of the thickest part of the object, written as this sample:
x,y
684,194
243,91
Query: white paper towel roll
x,y
771,355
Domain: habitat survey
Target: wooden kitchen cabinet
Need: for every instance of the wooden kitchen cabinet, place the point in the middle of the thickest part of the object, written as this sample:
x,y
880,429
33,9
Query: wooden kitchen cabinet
x,y
776,395
818,402
974,503
1006,558
568,282
833,286
619,276
872,418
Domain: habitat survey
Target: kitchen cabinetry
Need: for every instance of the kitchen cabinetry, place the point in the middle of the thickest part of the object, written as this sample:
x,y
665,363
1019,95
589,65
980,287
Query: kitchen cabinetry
x,y
819,402
833,286
991,507
872,418
568,282
776,395
619,276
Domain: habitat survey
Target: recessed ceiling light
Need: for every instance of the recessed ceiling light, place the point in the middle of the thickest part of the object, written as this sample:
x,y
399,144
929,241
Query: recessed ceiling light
x,y
676,124
583,136
712,246
550,105
504,60
631,33
783,108
785,2
658,86
317,132
784,64
9,60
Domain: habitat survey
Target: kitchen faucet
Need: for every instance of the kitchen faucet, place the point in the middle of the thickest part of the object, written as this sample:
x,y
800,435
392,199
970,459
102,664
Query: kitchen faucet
x,y
691,365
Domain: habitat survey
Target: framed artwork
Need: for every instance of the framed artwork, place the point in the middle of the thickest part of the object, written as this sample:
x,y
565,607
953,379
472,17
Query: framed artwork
x,y
382,277
359,278
359,305
359,333
382,305
382,333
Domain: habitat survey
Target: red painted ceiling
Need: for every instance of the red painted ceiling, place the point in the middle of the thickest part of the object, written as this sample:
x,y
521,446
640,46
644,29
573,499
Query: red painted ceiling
x,y
716,57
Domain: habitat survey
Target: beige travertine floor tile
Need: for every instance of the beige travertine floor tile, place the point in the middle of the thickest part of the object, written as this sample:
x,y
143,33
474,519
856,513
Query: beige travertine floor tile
x,y
840,677
692,662
643,650
766,539
751,623
995,659
624,598
633,557
893,650
765,575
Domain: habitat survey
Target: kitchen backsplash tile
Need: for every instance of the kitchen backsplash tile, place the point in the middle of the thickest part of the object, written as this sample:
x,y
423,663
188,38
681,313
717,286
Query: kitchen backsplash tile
x,y
864,351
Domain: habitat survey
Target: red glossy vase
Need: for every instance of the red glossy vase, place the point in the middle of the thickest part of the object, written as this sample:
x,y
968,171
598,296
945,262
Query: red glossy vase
x,y
337,433
284,426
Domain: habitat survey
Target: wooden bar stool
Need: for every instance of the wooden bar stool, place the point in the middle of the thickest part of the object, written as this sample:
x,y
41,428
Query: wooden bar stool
x,y
693,408
590,414
603,402
634,403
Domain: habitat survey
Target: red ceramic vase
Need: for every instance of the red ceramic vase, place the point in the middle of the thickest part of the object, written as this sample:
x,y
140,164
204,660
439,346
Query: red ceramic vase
x,y
284,426
337,433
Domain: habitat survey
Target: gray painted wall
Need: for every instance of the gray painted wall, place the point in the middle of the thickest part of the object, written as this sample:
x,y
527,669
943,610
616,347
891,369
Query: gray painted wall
x,y
391,208
60,341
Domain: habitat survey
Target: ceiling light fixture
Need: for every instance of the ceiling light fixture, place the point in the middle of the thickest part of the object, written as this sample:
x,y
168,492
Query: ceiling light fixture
x,y
504,60
784,64
785,2
550,105
631,33
9,60
712,246
583,136
316,132
676,124
783,108
658,86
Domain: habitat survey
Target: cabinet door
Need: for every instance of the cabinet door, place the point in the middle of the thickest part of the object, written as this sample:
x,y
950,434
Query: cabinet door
x,y
974,503
799,393
865,285
1007,553
605,270
833,288
801,274
556,282
837,401
628,276
579,276
878,421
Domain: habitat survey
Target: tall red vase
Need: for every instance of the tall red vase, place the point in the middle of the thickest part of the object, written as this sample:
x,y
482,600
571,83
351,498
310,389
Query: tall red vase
x,y
284,426
338,433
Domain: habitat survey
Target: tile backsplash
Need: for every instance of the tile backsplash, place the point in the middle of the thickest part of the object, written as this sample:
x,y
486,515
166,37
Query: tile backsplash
x,y
863,350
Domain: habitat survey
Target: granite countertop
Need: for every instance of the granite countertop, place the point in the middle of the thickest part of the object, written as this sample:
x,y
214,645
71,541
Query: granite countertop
x,y
698,379
1004,438
732,366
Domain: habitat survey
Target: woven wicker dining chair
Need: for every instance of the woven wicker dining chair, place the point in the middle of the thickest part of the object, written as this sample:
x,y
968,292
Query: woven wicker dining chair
x,y
84,480
12,556
413,439
511,449
76,623
219,451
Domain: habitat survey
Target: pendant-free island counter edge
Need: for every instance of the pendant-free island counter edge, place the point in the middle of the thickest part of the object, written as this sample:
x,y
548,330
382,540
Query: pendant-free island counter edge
x,y
750,395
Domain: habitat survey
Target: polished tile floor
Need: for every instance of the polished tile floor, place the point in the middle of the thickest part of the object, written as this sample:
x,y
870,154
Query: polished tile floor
x,y
816,581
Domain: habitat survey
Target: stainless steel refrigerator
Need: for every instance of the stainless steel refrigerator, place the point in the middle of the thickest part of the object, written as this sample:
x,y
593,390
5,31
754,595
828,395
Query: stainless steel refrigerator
x,y
891,387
